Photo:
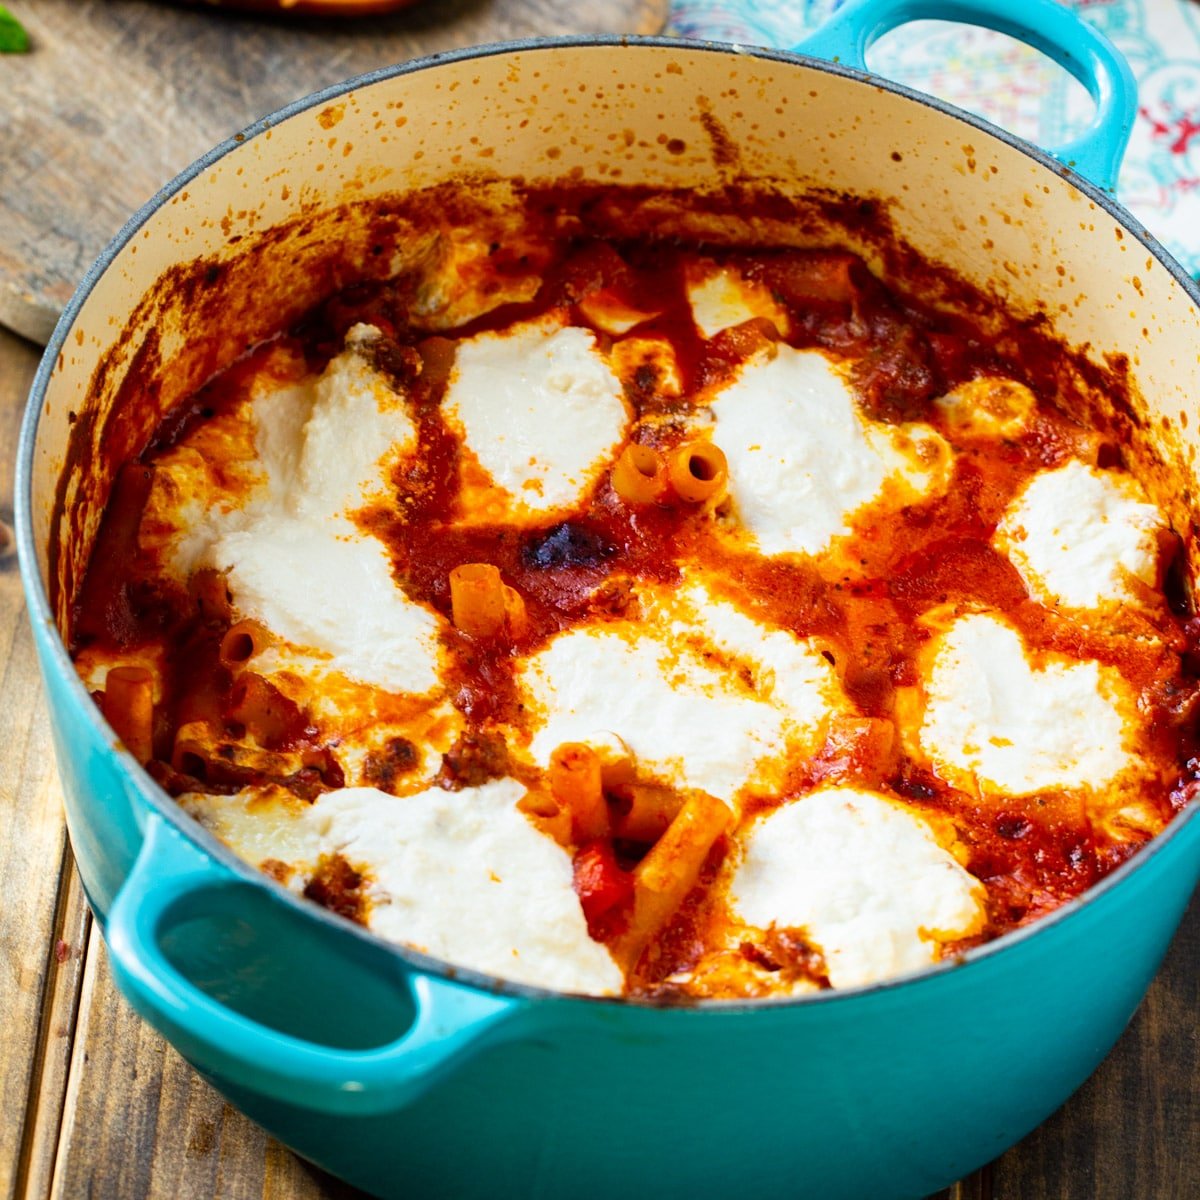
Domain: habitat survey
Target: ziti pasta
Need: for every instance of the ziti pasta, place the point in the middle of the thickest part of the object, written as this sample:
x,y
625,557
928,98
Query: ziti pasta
x,y
612,602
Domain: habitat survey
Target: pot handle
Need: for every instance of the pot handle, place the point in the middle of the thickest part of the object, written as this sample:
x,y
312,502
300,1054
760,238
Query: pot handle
x,y
172,879
1046,25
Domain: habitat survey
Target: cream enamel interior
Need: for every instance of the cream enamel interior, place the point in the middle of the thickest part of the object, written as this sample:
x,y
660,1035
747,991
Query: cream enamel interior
x,y
661,114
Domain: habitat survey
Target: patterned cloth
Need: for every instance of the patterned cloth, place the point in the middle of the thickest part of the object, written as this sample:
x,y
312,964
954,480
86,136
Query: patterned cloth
x,y
1014,86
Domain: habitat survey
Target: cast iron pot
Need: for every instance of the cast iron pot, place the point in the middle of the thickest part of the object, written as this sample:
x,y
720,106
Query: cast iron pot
x,y
401,1073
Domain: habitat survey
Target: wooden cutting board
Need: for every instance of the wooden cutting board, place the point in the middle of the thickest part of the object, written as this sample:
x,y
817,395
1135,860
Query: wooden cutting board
x,y
117,96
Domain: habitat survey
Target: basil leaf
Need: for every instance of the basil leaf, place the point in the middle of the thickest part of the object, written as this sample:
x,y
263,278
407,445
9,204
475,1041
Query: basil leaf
x,y
13,38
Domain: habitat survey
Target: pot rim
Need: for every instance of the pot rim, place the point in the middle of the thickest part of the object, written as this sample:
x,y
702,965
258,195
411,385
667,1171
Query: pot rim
x,y
165,807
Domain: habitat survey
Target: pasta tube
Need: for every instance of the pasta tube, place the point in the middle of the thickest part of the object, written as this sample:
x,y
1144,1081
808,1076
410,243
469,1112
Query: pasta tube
x,y
515,619
651,810
698,471
575,782
477,599
193,747
663,879
550,816
128,707
243,641
639,476
262,710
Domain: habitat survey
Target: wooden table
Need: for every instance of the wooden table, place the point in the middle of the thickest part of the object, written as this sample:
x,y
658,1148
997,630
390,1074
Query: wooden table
x,y
96,1104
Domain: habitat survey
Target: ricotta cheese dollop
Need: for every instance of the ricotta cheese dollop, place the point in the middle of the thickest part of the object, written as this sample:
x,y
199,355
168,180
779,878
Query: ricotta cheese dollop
x,y
997,720
459,875
863,876
803,461
464,876
720,299
542,412
357,427
334,594
1078,535
671,690
294,559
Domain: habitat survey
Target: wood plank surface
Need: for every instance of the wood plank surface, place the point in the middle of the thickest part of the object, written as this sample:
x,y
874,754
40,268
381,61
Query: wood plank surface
x,y
32,835
117,96
97,1105
56,1037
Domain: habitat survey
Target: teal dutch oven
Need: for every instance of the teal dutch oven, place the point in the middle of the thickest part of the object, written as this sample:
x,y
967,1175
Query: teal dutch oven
x,y
406,1075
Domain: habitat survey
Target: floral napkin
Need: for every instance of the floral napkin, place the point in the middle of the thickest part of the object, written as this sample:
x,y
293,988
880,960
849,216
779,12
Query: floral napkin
x,y
1016,87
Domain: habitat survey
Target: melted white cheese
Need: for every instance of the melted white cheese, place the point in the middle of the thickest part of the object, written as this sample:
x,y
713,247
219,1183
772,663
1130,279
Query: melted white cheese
x,y
787,672
1078,534
459,280
994,719
261,825
293,558
358,425
721,299
692,721
802,460
210,482
461,875
320,448
541,410
863,877
639,359
335,594
464,876
181,523
989,408
280,417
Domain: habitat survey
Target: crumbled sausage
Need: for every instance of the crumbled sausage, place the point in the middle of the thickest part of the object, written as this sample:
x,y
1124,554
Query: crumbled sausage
x,y
788,952
473,760
396,757
337,886
615,597
399,365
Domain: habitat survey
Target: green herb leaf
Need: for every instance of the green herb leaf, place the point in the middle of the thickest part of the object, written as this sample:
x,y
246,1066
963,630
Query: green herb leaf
x,y
13,38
